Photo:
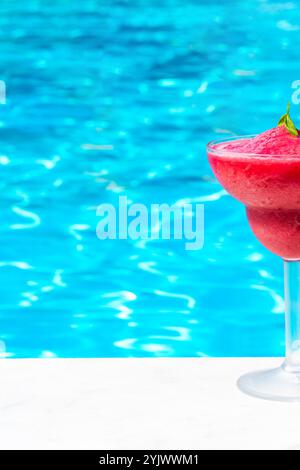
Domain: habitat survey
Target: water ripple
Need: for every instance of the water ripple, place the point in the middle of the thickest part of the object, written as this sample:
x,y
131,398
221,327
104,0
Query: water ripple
x,y
27,215
110,98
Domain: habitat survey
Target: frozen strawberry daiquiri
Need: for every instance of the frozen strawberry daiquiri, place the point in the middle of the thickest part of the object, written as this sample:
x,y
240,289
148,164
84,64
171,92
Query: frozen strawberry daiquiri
x,y
263,172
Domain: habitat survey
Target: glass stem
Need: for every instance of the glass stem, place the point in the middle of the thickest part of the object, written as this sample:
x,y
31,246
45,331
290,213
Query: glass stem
x,y
292,315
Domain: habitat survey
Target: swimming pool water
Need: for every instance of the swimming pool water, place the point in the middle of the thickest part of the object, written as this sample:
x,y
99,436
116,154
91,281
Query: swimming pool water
x,y
109,98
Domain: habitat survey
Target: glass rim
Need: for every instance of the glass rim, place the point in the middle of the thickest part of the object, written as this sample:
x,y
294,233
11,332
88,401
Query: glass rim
x,y
211,149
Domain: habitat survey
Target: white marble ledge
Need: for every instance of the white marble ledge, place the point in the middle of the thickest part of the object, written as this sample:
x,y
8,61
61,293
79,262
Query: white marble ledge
x,y
139,404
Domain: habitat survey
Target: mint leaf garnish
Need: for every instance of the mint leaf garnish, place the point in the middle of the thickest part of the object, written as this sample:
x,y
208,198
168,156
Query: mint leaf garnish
x,y
286,121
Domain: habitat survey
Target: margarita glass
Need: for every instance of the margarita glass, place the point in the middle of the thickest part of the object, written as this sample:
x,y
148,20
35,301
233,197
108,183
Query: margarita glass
x,y
267,181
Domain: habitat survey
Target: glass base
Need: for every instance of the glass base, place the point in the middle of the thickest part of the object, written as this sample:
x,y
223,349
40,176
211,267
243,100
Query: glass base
x,y
275,384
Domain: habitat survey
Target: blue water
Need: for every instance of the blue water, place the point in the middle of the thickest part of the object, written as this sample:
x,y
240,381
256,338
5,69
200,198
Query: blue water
x,y
109,98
